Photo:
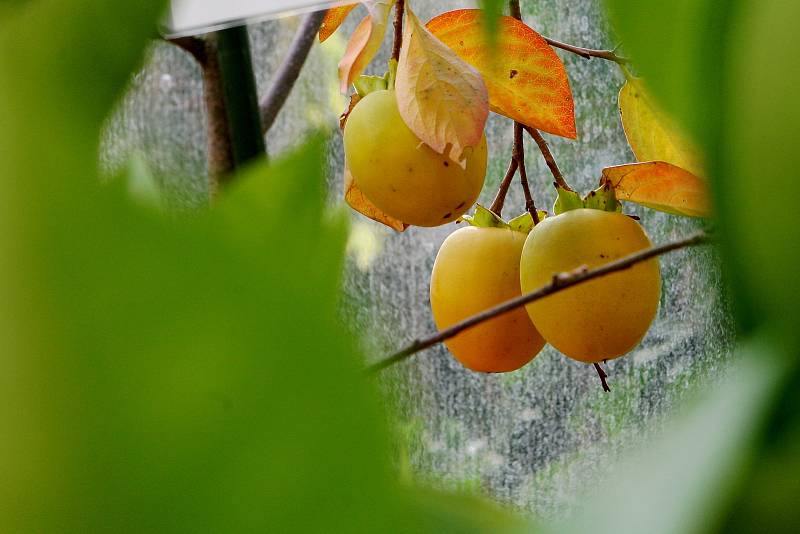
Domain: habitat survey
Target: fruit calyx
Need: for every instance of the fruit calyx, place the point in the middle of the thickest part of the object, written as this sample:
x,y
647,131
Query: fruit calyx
x,y
603,198
365,85
486,218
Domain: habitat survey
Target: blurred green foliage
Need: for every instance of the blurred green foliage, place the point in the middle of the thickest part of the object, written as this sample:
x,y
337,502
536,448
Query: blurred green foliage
x,y
727,70
173,375
190,375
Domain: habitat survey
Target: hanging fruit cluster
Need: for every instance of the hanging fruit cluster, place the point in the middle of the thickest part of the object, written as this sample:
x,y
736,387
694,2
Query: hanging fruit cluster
x,y
416,154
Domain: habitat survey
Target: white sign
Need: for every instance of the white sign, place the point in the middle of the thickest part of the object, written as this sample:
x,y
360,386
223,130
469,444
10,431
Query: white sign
x,y
189,17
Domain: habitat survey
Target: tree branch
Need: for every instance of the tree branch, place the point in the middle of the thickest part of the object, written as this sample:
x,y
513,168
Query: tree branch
x,y
289,71
400,9
219,146
548,157
588,53
560,282
194,45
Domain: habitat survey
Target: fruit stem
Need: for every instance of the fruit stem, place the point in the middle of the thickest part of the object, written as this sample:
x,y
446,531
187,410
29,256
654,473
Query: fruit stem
x,y
548,158
602,374
516,154
500,198
400,10
519,156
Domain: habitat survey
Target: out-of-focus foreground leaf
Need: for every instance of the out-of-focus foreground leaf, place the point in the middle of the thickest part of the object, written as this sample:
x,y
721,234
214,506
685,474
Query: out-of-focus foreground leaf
x,y
758,176
161,375
493,10
681,481
729,73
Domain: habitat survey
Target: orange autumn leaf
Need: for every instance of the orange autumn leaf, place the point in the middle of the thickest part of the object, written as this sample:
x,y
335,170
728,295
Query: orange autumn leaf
x,y
526,79
333,19
365,42
660,186
441,98
356,199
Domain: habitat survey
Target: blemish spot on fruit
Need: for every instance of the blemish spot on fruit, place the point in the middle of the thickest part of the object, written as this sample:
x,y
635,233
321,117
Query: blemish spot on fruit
x,y
514,72
447,215
461,205
446,164
411,169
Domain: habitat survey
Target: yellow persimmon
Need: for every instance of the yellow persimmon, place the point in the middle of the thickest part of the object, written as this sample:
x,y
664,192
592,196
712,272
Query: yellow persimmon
x,y
603,318
399,174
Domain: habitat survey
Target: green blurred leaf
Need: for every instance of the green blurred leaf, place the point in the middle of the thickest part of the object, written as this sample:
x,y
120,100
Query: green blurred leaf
x,y
493,10
707,62
442,512
171,375
769,497
758,156
681,481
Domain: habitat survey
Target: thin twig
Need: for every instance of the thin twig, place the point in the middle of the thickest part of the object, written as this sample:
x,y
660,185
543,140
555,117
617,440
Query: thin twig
x,y
519,155
560,282
588,53
289,71
603,376
548,157
500,198
400,10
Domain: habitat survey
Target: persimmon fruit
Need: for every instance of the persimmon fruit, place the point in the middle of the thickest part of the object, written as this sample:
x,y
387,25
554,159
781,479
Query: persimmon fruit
x,y
402,176
478,268
601,319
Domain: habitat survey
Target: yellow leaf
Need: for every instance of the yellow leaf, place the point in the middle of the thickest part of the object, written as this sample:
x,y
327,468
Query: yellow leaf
x,y
660,186
653,135
355,199
365,42
333,19
440,97
527,81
